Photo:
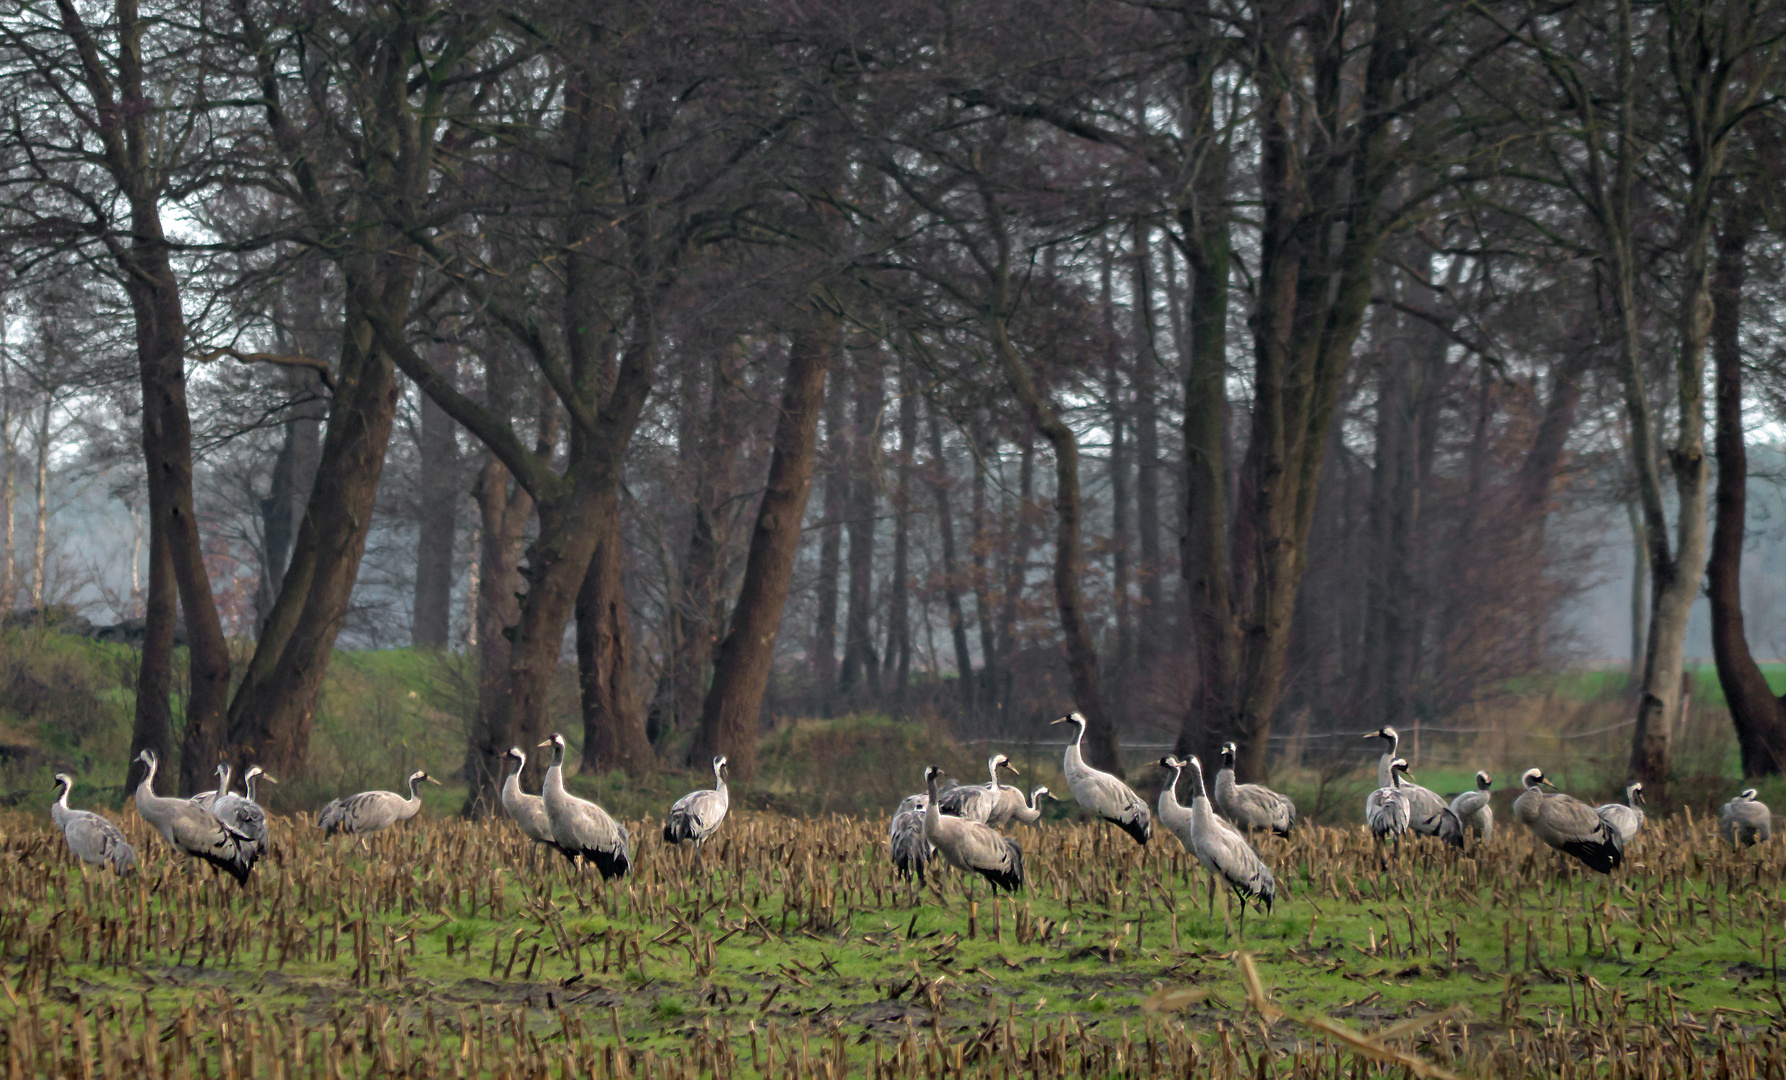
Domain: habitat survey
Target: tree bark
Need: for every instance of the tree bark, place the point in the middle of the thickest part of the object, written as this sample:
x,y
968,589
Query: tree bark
x,y
988,686
438,516
1016,572
1758,714
1119,481
824,635
1149,568
613,729
861,662
504,508
703,566
741,671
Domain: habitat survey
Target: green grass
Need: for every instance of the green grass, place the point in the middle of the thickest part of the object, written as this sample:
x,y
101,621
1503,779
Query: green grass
x,y
796,926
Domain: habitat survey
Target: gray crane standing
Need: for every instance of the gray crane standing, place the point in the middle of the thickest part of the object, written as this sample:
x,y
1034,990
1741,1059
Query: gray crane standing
x,y
1745,820
1251,806
972,846
699,814
581,828
372,811
1101,793
191,829
1567,824
95,840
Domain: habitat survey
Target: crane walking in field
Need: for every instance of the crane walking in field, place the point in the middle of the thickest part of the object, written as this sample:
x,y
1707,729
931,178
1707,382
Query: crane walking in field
x,y
581,828
372,811
972,846
905,838
1625,819
1473,811
698,815
977,802
1175,817
192,830
95,840
1223,851
1101,793
1567,824
1251,806
1745,820
1428,814
527,811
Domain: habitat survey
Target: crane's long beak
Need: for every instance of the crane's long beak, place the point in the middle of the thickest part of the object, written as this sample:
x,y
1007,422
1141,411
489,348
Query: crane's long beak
x,y
1372,735
1545,780
545,744
1062,720
1015,771
431,780
268,779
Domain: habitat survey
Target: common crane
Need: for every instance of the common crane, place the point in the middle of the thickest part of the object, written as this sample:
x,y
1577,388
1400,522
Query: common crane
x,y
191,829
1101,793
1567,824
1386,809
1012,806
579,827
243,814
528,811
1225,853
372,811
1428,814
1625,819
94,840
1251,806
1472,808
981,802
698,815
1745,820
905,838
972,846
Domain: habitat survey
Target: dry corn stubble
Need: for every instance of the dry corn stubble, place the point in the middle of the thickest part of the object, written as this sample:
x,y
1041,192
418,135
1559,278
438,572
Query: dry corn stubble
x,y
788,948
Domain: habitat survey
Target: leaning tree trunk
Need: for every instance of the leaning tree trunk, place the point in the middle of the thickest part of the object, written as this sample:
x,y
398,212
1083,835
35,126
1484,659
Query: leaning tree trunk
x,y
945,527
741,671
1069,560
438,514
861,663
824,633
1757,713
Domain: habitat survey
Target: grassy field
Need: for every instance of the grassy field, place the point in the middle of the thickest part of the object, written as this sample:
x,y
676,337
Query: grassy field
x,y
789,949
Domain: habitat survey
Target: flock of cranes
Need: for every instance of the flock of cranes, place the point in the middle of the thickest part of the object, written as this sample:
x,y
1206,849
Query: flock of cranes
x,y
961,824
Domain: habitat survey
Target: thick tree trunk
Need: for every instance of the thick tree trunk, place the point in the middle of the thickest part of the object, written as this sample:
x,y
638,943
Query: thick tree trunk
x,y
945,527
741,672
824,635
167,456
271,714
703,566
503,511
152,726
861,662
613,729
438,516
1758,714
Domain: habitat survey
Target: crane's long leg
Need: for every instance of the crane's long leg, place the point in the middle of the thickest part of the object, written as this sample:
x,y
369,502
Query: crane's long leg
x,y
1211,893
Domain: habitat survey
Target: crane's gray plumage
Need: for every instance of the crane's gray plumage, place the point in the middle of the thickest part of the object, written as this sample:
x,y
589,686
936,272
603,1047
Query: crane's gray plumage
x,y
579,827
1220,847
1745,820
1625,819
971,845
1101,793
1174,816
905,838
372,811
204,798
1567,824
1013,807
1472,808
1251,806
981,802
1428,814
191,829
527,811
243,815
1386,809
93,839
698,815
